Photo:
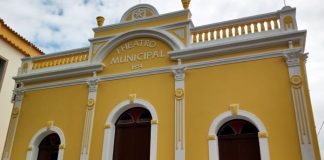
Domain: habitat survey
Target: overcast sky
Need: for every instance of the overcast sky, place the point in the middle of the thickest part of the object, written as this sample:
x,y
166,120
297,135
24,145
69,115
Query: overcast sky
x,y
55,25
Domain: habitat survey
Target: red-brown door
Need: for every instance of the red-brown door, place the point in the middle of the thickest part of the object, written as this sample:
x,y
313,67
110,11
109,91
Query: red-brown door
x,y
238,140
133,135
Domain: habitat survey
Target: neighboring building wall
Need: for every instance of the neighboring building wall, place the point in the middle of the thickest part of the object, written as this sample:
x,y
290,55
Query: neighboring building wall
x,y
13,57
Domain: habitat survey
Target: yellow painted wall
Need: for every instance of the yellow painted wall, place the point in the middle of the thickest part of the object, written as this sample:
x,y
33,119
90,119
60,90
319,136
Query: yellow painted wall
x,y
65,106
156,89
261,87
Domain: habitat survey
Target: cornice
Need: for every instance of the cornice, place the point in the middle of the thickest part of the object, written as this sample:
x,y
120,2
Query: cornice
x,y
169,69
80,69
242,43
137,73
237,59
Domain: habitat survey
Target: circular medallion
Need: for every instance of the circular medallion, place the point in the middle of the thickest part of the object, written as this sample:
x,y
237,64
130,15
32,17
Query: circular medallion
x,y
296,80
179,93
15,111
91,102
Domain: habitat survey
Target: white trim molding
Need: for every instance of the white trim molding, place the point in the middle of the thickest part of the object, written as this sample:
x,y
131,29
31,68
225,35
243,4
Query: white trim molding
x,y
109,133
32,150
168,69
89,117
179,77
293,60
241,114
19,96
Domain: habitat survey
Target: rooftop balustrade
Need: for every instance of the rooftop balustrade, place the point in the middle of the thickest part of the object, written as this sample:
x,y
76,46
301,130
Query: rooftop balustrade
x,y
281,20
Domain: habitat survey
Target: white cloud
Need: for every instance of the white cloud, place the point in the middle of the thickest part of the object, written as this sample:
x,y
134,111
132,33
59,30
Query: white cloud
x,y
56,25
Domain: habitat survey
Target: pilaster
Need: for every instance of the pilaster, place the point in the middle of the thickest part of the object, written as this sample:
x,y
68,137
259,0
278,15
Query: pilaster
x,y
90,111
179,76
18,98
293,60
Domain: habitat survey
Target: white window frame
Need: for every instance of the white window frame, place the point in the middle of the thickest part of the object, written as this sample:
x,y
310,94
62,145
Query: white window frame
x,y
32,152
109,135
227,116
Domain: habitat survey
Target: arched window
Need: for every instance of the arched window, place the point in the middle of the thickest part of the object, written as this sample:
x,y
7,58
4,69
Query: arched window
x,y
238,140
133,135
48,148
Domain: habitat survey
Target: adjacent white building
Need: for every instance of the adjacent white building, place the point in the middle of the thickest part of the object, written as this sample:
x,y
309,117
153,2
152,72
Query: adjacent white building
x,y
13,47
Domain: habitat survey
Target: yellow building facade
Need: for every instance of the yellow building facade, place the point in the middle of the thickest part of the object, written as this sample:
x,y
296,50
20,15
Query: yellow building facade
x,y
199,92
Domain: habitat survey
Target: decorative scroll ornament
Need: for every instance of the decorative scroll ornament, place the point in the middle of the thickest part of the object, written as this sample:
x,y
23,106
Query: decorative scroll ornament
x,y
211,137
18,95
107,126
179,93
15,112
91,103
132,98
179,73
296,80
154,121
49,125
30,148
62,146
293,58
263,134
93,84
139,13
234,108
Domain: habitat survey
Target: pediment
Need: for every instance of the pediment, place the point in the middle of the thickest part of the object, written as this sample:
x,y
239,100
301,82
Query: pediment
x,y
137,50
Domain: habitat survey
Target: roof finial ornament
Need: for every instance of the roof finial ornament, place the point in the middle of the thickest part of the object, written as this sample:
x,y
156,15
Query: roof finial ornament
x,y
100,21
185,3
285,3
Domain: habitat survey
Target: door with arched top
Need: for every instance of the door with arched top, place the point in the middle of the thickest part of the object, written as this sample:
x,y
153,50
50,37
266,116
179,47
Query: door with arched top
x,y
238,140
48,148
133,135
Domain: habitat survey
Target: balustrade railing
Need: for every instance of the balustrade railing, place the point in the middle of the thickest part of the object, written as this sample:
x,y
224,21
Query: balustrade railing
x,y
240,27
60,61
223,30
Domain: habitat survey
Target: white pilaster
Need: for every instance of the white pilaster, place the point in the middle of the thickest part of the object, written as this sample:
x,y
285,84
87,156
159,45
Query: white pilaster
x,y
88,125
18,98
300,105
179,77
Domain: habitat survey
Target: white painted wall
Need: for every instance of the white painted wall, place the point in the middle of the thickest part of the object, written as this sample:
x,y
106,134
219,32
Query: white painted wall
x,y
13,56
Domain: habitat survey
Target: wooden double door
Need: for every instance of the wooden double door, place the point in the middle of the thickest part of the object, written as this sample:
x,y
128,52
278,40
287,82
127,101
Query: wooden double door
x,y
133,135
238,140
